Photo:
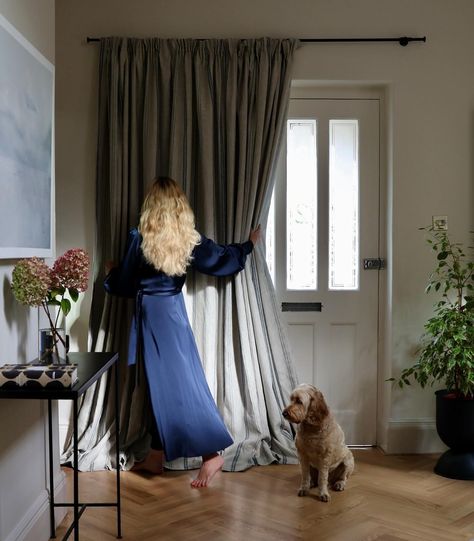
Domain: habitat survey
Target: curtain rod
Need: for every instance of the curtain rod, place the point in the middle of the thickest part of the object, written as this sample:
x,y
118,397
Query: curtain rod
x,y
403,41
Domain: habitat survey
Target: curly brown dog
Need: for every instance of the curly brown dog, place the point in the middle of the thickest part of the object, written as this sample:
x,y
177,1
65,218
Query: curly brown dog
x,y
324,457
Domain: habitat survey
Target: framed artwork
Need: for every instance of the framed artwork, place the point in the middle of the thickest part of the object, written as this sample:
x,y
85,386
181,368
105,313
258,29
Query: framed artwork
x,y
26,148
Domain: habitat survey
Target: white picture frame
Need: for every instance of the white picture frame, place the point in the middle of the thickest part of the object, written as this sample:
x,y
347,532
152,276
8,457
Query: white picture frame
x,y
27,213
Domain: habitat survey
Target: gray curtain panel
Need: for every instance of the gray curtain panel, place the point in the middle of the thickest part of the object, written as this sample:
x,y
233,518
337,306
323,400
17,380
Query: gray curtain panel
x,y
210,114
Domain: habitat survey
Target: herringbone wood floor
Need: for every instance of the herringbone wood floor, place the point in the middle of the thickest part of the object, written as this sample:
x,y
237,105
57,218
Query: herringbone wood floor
x,y
389,498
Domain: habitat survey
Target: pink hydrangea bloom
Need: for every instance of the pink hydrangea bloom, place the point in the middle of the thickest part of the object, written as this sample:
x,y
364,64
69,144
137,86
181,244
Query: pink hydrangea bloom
x,y
71,270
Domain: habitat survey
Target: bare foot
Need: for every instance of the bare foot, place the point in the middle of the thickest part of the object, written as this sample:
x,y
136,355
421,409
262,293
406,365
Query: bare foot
x,y
210,466
153,462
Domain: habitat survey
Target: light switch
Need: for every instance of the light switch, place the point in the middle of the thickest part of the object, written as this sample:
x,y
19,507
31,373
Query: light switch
x,y
440,223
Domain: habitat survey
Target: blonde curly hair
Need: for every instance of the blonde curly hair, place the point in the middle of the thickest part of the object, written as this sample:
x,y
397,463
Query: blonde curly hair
x,y
167,228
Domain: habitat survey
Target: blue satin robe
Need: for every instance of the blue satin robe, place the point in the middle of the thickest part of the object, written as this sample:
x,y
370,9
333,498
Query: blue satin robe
x,y
186,415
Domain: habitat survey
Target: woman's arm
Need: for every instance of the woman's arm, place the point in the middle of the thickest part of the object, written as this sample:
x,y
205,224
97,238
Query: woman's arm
x,y
223,259
122,280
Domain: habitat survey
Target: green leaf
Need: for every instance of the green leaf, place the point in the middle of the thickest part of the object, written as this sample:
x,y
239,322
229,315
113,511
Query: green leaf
x,y
65,306
442,255
74,294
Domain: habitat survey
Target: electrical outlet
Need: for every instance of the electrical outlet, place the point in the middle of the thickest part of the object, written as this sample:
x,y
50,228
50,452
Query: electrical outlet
x,y
440,223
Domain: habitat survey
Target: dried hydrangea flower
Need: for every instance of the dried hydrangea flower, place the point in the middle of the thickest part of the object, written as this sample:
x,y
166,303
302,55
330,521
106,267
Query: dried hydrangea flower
x,y
71,270
31,281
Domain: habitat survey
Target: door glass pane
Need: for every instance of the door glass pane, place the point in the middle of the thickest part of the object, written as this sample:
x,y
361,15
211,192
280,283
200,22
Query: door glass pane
x,y
344,204
270,239
301,215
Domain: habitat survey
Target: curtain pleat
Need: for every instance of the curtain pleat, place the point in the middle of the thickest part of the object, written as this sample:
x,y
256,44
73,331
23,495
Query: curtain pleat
x,y
210,114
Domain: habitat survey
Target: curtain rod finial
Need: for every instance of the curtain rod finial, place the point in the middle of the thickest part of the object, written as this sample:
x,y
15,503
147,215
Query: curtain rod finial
x,y
404,41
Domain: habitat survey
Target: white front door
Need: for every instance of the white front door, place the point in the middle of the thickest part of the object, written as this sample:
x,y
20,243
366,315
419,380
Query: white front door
x,y
326,209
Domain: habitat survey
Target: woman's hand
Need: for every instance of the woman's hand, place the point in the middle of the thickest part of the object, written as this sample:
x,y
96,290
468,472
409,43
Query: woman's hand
x,y
255,235
109,265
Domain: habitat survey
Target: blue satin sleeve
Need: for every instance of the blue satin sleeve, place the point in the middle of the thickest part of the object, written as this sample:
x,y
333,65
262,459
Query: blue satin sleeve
x,y
219,259
123,280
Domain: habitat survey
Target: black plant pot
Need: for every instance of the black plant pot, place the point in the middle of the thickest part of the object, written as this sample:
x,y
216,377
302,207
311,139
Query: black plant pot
x,y
455,426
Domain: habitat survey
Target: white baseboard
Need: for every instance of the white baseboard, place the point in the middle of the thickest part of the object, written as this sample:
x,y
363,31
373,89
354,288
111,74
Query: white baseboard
x,y
413,436
34,526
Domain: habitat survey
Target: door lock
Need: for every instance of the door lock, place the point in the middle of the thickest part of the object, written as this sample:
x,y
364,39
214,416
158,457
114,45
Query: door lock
x,y
374,263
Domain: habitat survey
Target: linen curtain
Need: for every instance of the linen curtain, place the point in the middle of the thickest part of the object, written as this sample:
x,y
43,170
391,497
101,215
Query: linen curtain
x,y
210,114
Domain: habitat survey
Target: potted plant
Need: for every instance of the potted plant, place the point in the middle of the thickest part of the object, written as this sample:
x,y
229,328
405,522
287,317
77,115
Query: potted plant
x,y
446,354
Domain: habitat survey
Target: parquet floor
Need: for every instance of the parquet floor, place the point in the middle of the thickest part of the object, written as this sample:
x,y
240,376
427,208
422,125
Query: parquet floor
x,y
389,498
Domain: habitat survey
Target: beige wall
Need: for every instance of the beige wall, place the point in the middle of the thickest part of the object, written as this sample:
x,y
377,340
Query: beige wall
x,y
23,474
429,99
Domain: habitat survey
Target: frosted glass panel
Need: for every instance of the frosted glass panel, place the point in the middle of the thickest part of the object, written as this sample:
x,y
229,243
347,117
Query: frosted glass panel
x,y
301,215
344,204
270,239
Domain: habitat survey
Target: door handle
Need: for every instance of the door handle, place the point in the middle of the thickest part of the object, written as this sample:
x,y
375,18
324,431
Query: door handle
x,y
374,263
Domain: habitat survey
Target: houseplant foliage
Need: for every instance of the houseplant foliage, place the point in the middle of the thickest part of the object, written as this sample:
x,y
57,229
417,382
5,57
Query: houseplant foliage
x,y
53,289
447,354
447,349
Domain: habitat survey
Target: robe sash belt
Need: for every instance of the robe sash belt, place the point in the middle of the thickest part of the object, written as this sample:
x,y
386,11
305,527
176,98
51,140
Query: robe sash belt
x,y
139,326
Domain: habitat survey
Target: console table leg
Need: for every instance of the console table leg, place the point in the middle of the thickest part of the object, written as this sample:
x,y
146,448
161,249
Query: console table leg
x,y
51,472
117,444
76,474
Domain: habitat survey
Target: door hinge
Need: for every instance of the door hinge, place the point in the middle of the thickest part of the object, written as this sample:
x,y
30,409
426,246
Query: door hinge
x,y
374,263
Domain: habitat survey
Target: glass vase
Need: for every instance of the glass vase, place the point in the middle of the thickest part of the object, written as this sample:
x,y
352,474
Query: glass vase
x,y
52,346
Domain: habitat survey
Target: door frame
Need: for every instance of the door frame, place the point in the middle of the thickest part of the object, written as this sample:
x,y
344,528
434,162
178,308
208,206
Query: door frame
x,y
354,90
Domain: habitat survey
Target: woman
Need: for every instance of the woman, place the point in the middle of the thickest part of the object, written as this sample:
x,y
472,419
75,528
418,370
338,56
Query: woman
x,y
153,270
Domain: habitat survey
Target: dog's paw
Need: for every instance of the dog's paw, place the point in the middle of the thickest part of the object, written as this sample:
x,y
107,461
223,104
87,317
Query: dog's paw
x,y
339,486
324,497
303,492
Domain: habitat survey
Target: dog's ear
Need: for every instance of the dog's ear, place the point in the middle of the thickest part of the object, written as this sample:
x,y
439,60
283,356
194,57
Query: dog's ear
x,y
318,409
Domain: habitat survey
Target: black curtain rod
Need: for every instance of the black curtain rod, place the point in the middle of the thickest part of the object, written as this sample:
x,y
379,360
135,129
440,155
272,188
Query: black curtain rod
x,y
403,41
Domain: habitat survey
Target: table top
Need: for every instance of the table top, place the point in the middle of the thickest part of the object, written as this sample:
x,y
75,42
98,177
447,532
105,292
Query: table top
x,y
90,366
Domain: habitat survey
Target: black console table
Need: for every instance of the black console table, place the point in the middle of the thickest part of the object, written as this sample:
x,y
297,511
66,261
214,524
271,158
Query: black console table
x,y
90,367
